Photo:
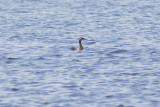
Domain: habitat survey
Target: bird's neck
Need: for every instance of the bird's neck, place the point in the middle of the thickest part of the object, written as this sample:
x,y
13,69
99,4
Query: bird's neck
x,y
80,44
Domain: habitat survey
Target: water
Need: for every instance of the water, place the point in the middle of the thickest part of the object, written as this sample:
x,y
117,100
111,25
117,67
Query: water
x,y
119,66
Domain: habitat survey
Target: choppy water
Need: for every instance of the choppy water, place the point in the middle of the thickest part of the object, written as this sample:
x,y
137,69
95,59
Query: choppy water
x,y
119,66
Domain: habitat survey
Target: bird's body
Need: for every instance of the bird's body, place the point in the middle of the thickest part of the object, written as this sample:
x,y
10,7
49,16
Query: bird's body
x,y
80,44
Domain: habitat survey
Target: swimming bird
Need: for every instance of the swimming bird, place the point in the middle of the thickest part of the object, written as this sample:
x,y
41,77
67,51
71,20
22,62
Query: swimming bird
x,y
80,44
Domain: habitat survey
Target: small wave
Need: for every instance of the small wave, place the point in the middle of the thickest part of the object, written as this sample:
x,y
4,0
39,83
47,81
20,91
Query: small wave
x,y
119,51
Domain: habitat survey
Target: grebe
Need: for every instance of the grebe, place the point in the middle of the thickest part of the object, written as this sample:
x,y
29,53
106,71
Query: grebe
x,y
80,44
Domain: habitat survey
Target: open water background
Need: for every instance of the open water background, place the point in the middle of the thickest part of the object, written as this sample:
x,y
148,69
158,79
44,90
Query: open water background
x,y
119,66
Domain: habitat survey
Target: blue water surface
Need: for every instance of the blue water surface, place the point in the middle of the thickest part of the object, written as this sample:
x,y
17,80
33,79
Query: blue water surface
x,y
119,66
